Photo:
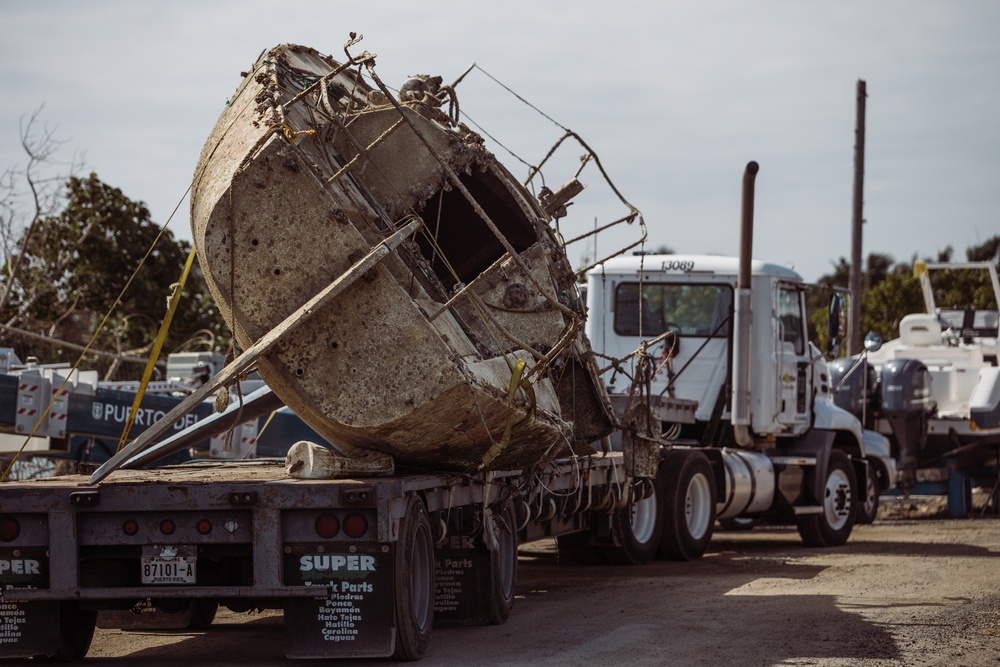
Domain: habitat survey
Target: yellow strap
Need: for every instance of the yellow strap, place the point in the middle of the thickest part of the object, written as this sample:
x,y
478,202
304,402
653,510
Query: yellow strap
x,y
515,382
157,346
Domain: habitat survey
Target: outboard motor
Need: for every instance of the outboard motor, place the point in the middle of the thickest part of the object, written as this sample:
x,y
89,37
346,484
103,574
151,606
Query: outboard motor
x,y
855,388
906,404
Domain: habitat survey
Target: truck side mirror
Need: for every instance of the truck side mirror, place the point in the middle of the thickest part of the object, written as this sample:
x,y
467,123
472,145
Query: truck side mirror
x,y
835,326
873,341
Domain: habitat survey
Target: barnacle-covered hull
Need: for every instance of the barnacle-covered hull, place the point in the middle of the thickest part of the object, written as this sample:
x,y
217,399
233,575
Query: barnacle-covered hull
x,y
307,170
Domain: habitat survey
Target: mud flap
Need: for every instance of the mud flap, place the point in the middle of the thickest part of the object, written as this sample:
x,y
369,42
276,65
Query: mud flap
x,y
462,584
352,614
28,629
815,444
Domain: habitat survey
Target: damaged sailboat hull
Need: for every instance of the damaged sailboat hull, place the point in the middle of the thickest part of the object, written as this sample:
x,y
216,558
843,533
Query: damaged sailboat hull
x,y
463,347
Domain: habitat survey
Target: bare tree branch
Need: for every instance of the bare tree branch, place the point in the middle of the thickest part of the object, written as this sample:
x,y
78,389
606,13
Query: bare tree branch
x,y
40,146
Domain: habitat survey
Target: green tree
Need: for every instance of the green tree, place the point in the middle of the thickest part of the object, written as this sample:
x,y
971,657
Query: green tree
x,y
988,251
892,291
885,304
72,266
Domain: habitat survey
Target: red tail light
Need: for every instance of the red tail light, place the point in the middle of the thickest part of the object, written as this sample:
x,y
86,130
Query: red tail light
x,y
327,525
167,527
204,526
355,525
130,527
10,528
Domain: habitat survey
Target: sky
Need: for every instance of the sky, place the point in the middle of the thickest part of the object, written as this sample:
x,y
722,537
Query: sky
x,y
674,97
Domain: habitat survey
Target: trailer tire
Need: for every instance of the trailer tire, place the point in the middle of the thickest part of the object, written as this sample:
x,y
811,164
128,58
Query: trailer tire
x,y
414,583
638,528
503,567
832,526
688,505
76,631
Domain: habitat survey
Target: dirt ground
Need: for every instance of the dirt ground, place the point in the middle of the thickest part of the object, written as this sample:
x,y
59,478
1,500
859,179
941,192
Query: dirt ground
x,y
913,589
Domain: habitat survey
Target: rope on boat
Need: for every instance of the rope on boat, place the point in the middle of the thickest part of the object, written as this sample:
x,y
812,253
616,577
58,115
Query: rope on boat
x,y
290,135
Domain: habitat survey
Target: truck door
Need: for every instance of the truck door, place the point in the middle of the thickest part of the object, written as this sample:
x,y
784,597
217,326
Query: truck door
x,y
794,382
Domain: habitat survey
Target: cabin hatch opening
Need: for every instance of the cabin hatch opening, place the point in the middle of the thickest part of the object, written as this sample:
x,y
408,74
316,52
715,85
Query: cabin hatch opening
x,y
463,237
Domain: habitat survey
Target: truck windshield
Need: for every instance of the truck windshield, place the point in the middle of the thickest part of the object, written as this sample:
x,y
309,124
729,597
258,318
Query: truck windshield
x,y
691,310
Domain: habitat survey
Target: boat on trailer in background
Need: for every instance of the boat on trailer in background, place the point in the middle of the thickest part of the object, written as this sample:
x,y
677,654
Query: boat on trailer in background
x,y
935,390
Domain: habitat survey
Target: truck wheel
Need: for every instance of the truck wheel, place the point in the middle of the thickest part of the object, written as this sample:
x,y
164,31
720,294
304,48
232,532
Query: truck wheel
x,y
76,631
832,526
688,505
868,507
503,567
638,528
414,583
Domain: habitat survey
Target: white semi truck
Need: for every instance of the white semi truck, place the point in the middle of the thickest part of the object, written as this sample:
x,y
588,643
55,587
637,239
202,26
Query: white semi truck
x,y
736,388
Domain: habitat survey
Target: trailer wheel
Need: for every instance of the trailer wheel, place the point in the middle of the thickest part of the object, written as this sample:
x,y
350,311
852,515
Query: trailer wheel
x,y
76,631
503,567
414,583
639,527
832,526
688,505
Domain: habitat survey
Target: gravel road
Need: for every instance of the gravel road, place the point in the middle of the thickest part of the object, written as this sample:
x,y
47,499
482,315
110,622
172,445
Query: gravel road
x,y
906,591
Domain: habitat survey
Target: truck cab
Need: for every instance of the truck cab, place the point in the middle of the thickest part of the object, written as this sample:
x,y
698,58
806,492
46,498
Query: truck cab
x,y
685,302
709,343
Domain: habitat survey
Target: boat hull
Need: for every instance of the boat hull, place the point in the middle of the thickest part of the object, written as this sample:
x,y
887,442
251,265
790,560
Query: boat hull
x,y
416,358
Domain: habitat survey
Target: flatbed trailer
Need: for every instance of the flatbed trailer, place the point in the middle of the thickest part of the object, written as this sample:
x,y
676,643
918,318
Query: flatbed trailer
x,y
361,567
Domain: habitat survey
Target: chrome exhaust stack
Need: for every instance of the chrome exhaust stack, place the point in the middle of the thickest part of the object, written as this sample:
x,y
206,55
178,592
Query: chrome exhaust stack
x,y
743,317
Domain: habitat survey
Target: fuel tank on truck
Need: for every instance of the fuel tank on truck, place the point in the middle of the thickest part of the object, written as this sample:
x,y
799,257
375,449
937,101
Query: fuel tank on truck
x,y
464,346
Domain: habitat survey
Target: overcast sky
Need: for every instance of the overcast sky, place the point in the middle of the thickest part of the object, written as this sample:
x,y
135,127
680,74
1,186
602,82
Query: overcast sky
x,y
675,97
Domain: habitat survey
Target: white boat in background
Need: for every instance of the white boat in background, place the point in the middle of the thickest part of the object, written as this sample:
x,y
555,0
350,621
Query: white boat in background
x,y
938,384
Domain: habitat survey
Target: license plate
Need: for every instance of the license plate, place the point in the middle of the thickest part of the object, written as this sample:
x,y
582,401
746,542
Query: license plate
x,y
170,570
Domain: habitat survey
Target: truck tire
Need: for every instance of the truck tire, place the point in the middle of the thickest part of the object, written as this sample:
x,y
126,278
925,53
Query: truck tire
x,y
688,505
414,583
868,507
503,567
638,528
832,526
76,631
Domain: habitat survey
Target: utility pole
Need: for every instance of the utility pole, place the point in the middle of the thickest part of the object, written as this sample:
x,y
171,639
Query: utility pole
x,y
857,220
